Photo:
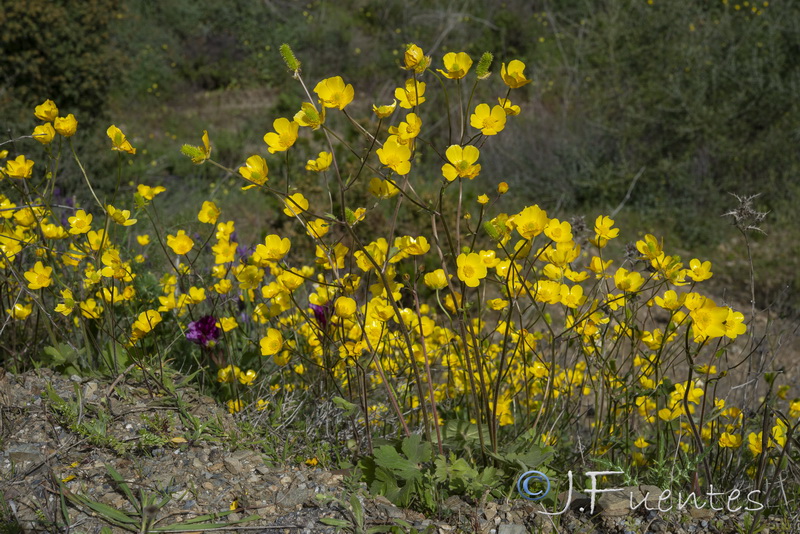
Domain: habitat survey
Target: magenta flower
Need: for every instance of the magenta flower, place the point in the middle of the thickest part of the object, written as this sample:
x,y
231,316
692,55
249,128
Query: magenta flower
x,y
204,331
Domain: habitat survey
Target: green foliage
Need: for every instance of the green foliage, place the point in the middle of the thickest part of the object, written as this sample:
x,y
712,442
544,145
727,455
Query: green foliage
x,y
144,516
59,48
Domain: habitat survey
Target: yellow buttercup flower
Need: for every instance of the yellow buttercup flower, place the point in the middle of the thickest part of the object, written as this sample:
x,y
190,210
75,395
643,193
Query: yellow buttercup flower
x,y
488,121
295,204
309,117
514,74
119,141
508,107
198,154
457,65
471,269
209,213
149,193
255,171
19,167
274,248
20,311
80,223
283,137
414,59
44,133
411,94
317,228
382,189
322,163
121,217
46,111
66,126
384,111
39,276
333,93
435,279
731,441
462,162
272,343
344,307
180,243
395,155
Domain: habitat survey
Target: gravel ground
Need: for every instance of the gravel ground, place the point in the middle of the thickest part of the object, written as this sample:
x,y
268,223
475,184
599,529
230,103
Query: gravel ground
x,y
56,479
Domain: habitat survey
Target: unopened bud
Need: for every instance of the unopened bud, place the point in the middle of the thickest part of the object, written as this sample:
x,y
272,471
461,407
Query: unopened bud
x,y
482,70
289,58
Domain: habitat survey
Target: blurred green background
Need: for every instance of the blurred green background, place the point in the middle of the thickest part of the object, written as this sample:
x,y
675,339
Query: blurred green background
x,y
666,106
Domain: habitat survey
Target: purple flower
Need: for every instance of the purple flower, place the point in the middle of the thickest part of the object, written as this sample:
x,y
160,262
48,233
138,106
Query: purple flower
x,y
321,315
204,331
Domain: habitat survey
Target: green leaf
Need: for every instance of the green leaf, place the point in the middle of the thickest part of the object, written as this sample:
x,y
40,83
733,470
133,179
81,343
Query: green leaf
x,y
335,522
387,456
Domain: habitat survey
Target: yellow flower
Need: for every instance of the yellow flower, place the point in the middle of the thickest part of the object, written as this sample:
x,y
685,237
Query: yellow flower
x,y
317,228
80,223
513,75
121,217
272,343
395,156
181,243
483,199
508,107
699,271
44,133
457,65
39,276
435,279
149,193
333,93
408,129
732,441
274,248
530,222
320,164
255,171
462,162
295,204
344,307
382,188
641,443
143,239
603,231
629,281
247,378
283,137
415,59
384,111
708,320
411,94
209,213
46,111
119,141
502,188
734,324
145,323
309,117
198,154
572,297
488,121
235,406
19,167
471,269
20,311
754,443
558,231
66,126
65,308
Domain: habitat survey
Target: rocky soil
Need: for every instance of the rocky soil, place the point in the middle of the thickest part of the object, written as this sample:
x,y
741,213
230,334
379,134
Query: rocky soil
x,y
63,441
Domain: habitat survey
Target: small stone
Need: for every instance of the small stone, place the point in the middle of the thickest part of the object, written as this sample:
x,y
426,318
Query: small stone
x,y
511,529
